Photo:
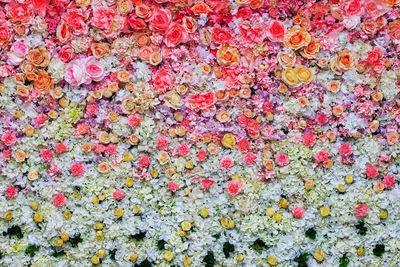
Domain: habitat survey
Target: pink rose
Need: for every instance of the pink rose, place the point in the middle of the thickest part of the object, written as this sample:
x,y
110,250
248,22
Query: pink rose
x,y
361,210
175,35
161,19
234,187
298,212
173,186
8,138
93,69
20,49
221,35
75,73
59,200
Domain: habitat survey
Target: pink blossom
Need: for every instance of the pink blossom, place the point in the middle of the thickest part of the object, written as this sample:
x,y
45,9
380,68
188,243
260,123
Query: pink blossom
x,y
234,187
361,210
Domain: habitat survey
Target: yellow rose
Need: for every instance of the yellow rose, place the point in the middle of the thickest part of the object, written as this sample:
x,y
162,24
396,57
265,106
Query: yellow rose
x,y
289,76
304,74
229,141
173,100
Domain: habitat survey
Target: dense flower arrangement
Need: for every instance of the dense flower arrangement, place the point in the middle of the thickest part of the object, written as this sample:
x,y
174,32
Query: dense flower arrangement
x,y
199,132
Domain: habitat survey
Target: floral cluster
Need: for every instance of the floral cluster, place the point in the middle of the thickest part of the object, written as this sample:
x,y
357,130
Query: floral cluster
x,y
199,133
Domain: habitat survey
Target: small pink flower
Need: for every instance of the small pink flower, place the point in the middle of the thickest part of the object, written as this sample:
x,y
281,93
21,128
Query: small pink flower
x,y
92,109
40,119
282,159
345,150
111,149
388,181
118,194
243,145
201,155
361,210
81,129
162,142
94,70
309,139
8,138
250,158
372,171
47,155
77,169
7,154
60,148
321,119
206,184
11,192
226,163
99,148
144,161
59,200
234,187
134,120
183,150
298,212
322,156
173,186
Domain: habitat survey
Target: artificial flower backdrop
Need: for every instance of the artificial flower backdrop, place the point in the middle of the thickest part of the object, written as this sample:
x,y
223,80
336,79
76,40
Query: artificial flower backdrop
x,y
199,133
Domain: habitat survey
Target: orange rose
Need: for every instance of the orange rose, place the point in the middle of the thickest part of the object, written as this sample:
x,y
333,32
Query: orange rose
x,y
394,30
200,8
392,2
304,74
311,50
392,138
227,55
297,37
100,50
142,39
223,116
344,61
39,57
43,82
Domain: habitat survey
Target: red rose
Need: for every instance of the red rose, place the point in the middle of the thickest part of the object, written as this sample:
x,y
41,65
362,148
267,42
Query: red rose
x,y
137,24
361,210
275,30
298,212
175,35
309,139
221,35
118,194
234,187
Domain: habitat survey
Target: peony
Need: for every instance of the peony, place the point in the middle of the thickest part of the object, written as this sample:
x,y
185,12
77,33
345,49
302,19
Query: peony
x,y
47,155
144,161
309,139
345,150
234,187
134,120
183,150
226,163
103,18
388,181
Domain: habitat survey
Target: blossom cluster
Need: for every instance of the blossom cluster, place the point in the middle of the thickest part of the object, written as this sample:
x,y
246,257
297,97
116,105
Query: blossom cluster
x,y
199,133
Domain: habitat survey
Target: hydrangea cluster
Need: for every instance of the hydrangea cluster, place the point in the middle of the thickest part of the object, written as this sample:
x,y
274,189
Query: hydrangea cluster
x,y
199,133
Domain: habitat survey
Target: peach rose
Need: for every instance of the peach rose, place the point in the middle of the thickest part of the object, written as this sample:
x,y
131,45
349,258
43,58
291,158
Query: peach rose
x,y
392,3
296,37
287,60
228,55
39,57
394,30
311,50
100,50
200,8
43,82
344,61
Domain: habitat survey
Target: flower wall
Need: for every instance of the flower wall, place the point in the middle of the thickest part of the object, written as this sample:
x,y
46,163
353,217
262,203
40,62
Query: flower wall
x,y
199,133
